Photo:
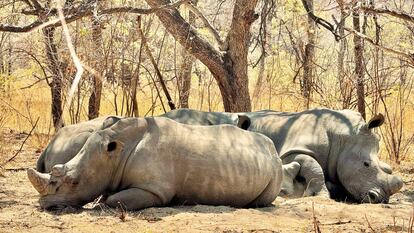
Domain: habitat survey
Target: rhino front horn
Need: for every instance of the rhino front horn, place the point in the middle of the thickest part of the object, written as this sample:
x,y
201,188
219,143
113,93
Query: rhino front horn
x,y
38,180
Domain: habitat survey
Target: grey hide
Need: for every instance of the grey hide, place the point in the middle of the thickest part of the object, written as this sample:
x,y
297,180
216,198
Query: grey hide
x,y
194,117
291,187
341,142
144,162
294,182
69,140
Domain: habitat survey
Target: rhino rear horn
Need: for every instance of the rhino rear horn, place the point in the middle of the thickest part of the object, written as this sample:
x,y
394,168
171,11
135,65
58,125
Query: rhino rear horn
x,y
39,180
376,121
243,122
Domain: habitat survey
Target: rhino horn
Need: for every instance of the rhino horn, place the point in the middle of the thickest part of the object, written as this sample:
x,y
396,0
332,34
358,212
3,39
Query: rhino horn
x,y
58,170
39,180
395,184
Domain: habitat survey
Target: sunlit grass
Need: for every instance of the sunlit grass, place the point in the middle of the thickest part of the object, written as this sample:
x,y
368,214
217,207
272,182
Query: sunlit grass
x,y
20,108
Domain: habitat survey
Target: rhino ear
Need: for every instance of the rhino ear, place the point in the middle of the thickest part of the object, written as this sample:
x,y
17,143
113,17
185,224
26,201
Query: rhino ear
x,y
376,121
291,169
109,121
243,122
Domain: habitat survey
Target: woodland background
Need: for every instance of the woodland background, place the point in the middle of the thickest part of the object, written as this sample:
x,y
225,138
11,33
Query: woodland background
x,y
142,58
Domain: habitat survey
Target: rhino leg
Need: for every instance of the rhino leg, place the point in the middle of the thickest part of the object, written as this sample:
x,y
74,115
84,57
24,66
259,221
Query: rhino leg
x,y
311,172
133,199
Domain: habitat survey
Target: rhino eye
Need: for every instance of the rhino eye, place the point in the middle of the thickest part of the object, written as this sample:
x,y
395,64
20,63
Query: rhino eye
x,y
111,146
366,164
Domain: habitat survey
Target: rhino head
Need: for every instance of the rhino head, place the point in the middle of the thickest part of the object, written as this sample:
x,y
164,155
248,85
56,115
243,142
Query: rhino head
x,y
359,169
94,170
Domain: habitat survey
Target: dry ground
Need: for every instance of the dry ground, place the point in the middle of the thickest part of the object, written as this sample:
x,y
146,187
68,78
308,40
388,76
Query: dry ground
x,y
20,212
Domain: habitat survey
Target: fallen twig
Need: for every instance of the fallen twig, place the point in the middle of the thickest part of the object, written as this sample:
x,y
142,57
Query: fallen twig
x,y
315,221
411,222
335,223
21,146
369,224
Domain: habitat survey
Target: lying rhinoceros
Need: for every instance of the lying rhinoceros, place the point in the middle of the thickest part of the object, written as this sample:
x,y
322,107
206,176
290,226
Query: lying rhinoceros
x,y
144,162
69,140
343,144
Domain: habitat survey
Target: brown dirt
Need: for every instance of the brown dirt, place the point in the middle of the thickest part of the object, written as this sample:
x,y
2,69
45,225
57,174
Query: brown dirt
x,y
20,211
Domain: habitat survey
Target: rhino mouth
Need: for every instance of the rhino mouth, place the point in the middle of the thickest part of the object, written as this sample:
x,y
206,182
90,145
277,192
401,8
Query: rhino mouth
x,y
374,196
55,203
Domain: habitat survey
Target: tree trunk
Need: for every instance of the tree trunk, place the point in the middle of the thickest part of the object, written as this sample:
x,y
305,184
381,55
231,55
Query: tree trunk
x,y
266,20
359,64
57,77
229,69
308,61
184,77
97,57
344,87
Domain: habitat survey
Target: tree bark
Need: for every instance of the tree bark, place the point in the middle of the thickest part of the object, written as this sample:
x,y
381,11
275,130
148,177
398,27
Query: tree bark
x,y
184,77
57,77
97,58
308,61
228,68
359,64
346,91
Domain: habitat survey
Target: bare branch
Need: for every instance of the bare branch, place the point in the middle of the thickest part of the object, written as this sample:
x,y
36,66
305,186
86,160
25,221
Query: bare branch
x,y
20,29
396,14
189,38
210,27
73,14
143,11
36,5
408,57
320,21
154,63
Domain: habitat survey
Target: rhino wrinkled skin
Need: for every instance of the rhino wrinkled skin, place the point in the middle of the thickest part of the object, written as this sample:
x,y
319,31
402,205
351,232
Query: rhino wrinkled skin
x,y
145,162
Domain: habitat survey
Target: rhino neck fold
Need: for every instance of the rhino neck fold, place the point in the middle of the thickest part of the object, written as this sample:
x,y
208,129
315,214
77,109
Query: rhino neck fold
x,y
130,148
120,167
336,143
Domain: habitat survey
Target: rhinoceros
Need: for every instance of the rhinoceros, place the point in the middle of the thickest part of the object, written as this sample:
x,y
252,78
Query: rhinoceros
x,y
69,140
145,162
341,142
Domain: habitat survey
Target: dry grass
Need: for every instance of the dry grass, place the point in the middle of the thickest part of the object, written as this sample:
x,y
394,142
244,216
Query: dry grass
x,y
21,107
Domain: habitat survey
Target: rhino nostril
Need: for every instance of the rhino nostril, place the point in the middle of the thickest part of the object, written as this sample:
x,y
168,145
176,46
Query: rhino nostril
x,y
373,196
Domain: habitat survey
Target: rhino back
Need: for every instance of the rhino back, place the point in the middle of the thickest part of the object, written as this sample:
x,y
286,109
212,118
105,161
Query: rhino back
x,y
195,117
313,132
214,165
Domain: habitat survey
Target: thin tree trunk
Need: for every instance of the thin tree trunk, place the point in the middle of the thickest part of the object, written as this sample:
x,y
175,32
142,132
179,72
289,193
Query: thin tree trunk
x,y
308,61
57,77
184,76
343,84
97,57
266,19
359,64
